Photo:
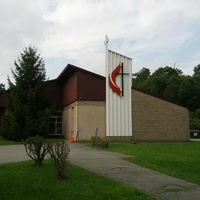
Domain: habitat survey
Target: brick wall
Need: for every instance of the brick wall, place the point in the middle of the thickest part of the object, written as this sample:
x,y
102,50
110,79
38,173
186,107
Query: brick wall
x,y
158,120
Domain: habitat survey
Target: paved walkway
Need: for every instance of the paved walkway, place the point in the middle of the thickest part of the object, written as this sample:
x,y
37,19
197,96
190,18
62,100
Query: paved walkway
x,y
113,166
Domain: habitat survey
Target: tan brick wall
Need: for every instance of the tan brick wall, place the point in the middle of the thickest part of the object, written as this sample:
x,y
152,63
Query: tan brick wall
x,y
156,119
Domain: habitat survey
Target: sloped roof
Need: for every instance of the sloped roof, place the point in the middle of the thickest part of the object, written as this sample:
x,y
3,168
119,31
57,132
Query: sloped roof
x,y
69,70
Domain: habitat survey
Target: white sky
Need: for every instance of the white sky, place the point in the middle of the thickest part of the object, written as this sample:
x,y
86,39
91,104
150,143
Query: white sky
x,y
154,33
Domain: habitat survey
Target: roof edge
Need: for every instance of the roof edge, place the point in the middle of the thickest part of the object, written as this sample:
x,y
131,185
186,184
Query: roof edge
x,y
75,68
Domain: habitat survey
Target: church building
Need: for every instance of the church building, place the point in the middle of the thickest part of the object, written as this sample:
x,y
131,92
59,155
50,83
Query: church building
x,y
81,97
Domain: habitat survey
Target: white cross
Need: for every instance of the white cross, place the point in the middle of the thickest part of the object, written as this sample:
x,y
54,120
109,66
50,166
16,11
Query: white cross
x,y
106,39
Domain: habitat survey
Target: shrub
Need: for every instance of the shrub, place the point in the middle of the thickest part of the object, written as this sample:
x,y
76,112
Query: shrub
x,y
100,142
59,152
36,148
95,140
104,143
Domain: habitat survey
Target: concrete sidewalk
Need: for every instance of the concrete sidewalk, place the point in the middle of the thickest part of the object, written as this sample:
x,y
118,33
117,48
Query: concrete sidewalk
x,y
113,166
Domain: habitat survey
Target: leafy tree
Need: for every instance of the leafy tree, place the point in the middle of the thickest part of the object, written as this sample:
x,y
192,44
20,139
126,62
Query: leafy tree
x,y
142,75
165,83
187,93
27,113
196,70
195,119
141,79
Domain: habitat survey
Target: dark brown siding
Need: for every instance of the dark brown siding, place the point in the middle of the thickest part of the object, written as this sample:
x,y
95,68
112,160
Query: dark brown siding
x,y
54,93
91,87
70,90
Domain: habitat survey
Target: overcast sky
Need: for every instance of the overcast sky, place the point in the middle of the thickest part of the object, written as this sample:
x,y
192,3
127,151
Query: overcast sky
x,y
154,33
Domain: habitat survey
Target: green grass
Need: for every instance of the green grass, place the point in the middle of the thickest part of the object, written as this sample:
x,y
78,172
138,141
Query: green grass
x,y
180,160
24,180
8,142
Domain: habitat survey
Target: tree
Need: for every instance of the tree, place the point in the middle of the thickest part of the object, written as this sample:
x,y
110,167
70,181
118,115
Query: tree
x,y
188,93
27,113
196,70
195,119
141,79
2,87
142,75
165,82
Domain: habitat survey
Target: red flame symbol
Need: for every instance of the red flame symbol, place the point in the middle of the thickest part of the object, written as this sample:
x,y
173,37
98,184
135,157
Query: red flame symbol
x,y
112,80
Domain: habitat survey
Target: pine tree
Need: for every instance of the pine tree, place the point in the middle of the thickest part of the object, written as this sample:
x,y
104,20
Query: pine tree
x,y
2,87
27,107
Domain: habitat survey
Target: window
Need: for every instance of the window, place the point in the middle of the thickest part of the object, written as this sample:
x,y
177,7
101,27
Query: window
x,y
56,125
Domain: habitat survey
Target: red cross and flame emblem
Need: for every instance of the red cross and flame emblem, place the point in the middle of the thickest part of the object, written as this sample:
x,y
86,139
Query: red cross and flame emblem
x,y
112,80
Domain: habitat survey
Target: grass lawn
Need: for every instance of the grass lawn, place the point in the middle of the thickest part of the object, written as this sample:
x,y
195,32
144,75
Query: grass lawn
x,y
8,142
180,160
24,180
